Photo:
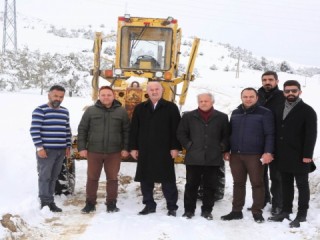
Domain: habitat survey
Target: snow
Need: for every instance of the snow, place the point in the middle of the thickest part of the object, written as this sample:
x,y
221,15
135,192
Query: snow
x,y
19,181
18,185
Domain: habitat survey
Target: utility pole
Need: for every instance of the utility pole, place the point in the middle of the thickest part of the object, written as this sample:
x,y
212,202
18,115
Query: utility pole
x,y
238,67
9,26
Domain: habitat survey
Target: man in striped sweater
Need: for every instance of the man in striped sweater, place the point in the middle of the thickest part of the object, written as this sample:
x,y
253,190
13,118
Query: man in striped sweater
x,y
51,135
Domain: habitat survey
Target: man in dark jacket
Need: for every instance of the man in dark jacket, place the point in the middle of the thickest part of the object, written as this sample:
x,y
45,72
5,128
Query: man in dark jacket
x,y
103,135
296,134
252,146
271,97
153,143
204,134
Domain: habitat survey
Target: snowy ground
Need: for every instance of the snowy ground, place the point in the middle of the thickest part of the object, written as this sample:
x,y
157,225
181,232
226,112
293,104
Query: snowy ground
x,y
18,185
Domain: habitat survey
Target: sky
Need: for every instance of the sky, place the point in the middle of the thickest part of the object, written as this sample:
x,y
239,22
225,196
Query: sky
x,y
280,29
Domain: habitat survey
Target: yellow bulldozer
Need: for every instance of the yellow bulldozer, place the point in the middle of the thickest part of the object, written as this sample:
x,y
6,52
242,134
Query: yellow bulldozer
x,y
147,49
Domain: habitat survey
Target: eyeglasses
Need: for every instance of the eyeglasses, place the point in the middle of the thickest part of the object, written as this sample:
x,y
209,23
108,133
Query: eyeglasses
x,y
291,90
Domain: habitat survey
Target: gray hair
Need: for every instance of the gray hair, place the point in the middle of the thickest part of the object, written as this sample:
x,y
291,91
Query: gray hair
x,y
207,94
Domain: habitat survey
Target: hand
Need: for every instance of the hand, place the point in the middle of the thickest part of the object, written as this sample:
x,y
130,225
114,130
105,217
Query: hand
x,y
266,158
134,154
83,153
68,152
226,156
307,160
174,153
124,153
42,153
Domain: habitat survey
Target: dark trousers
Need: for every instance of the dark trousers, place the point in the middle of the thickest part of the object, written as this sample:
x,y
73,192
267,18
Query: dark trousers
x,y
302,181
111,164
242,165
48,171
209,176
169,190
276,185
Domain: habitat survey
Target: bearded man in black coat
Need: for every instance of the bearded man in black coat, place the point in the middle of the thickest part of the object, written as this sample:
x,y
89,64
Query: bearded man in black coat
x,y
153,143
271,97
296,134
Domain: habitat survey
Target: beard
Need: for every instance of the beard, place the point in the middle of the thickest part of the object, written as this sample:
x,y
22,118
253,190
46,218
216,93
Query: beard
x,y
292,98
55,104
268,87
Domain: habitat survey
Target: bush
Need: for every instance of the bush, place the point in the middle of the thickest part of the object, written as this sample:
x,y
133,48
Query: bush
x,y
213,67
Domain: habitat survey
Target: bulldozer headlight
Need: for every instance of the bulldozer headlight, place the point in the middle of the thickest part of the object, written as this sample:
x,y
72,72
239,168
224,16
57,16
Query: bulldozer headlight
x,y
125,18
159,74
168,21
117,72
127,15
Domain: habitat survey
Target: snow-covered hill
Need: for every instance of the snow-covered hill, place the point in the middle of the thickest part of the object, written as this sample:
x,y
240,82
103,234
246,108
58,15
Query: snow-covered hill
x,y
68,54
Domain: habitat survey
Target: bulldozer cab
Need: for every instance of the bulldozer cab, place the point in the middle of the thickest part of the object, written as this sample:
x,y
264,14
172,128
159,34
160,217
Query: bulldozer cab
x,y
148,47
145,48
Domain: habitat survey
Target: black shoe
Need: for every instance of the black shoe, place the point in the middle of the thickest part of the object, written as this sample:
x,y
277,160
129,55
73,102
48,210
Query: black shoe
x,y
188,214
43,204
296,222
112,207
258,217
275,211
232,216
147,210
53,207
299,218
207,215
172,213
88,208
279,217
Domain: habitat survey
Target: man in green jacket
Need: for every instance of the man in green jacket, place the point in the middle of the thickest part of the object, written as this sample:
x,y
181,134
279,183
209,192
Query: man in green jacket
x,y
103,139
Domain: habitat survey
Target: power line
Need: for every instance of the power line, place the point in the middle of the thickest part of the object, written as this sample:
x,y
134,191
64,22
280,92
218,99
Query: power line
x,y
9,26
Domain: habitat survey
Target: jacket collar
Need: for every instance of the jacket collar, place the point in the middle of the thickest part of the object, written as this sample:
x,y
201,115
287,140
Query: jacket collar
x,y
196,114
294,109
265,96
247,110
115,104
149,104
